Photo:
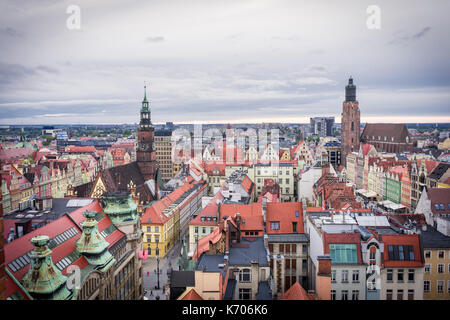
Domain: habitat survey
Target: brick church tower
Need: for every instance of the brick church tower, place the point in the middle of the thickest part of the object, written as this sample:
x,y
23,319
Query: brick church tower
x,y
349,122
145,151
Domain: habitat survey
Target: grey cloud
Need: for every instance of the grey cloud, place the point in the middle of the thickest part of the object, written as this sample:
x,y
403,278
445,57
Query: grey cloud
x,y
403,39
11,32
155,39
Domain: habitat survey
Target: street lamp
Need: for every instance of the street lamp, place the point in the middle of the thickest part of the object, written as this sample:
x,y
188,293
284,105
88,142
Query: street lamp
x,y
157,260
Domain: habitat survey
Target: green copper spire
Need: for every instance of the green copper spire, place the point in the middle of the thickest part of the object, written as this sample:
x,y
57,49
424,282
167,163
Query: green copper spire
x,y
145,94
43,280
120,208
92,245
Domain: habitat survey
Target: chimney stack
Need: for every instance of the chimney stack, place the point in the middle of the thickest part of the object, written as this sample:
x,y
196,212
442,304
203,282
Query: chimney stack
x,y
323,280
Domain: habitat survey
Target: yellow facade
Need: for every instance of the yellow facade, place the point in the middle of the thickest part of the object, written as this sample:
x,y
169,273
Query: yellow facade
x,y
167,235
26,193
437,271
442,185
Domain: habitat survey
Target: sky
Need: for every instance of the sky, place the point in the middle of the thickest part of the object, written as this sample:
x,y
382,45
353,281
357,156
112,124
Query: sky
x,y
233,61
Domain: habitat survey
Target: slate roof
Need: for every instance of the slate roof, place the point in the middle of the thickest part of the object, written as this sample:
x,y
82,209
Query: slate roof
x,y
210,263
439,171
117,178
433,239
248,250
264,292
182,279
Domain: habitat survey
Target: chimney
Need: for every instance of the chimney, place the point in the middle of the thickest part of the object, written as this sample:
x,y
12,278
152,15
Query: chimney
x,y
238,224
264,209
43,280
323,280
325,169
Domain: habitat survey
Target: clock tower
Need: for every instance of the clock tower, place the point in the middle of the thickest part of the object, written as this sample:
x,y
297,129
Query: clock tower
x,y
350,122
145,151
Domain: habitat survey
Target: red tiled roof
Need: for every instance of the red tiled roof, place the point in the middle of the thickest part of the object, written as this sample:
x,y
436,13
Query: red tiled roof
x,y
84,149
192,295
21,246
296,292
15,153
342,238
154,213
439,196
402,239
285,213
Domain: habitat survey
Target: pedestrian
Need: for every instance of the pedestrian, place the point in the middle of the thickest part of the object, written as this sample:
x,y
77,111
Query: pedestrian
x,y
151,292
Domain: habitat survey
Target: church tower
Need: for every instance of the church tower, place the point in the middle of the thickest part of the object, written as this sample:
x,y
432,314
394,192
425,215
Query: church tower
x,y
350,120
145,151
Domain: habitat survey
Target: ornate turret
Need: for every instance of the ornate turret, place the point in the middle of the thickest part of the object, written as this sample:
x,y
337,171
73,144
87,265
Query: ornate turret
x,y
44,280
120,208
145,112
92,245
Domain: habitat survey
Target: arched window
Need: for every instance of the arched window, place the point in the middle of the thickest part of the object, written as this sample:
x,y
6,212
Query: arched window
x,y
353,126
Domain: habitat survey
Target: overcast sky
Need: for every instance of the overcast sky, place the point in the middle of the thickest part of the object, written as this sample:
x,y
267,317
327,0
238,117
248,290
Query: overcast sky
x,y
222,61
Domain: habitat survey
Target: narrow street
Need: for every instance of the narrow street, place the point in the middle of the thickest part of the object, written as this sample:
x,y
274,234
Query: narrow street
x,y
150,275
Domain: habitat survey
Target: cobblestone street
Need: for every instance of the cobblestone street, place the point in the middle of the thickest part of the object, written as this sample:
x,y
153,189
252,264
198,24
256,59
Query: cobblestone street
x,y
150,276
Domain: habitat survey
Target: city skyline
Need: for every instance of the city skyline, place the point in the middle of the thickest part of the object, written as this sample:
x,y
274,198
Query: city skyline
x,y
257,58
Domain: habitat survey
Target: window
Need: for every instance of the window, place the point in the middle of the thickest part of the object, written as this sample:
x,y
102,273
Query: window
x,y
390,275
204,230
344,295
448,286
400,294
343,253
149,229
156,229
426,286
333,276
441,254
344,275
427,268
196,230
275,225
294,248
389,294
270,247
245,275
304,264
245,294
294,227
355,276
427,254
411,294
355,295
333,294
440,268
400,275
440,286
401,252
411,275
305,248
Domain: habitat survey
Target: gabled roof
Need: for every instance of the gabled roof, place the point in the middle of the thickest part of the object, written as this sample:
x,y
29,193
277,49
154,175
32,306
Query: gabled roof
x,y
396,130
439,197
286,213
192,295
296,292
